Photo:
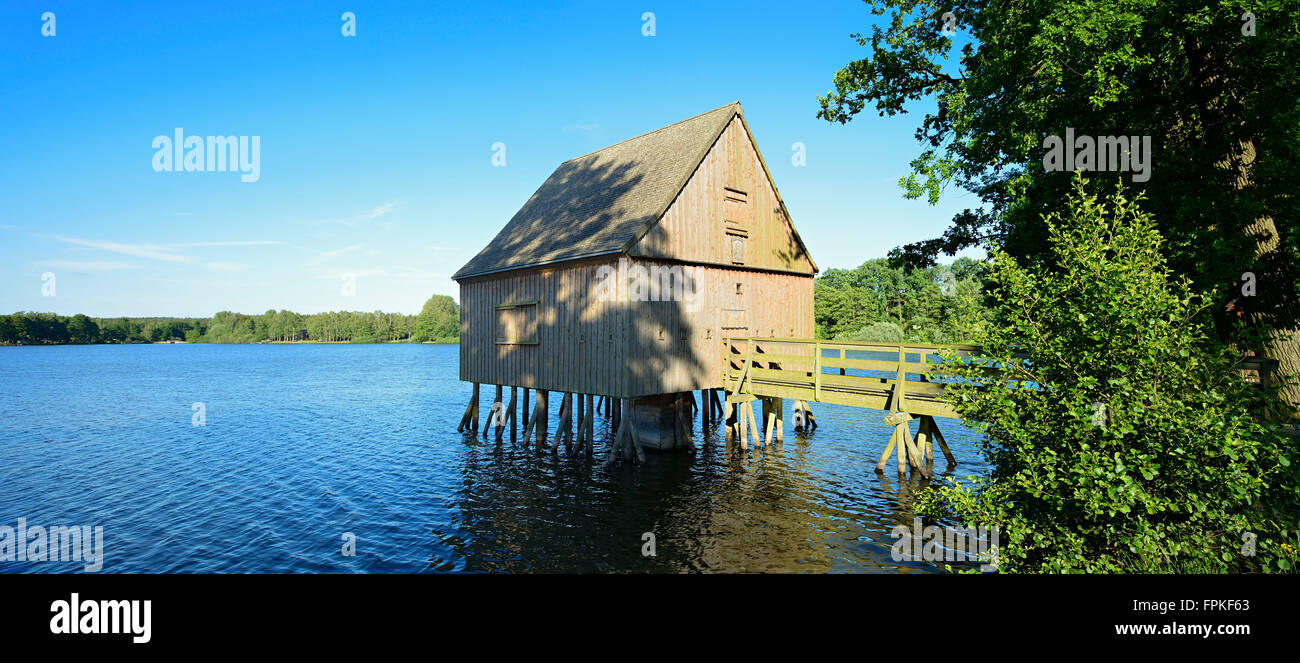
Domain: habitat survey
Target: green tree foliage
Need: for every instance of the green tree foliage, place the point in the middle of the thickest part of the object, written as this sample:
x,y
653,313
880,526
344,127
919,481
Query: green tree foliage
x,y
224,327
1126,441
1217,91
82,329
439,321
880,302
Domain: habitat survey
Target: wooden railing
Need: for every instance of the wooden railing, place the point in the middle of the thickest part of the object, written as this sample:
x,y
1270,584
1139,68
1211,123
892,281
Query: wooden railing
x,y
798,368
824,371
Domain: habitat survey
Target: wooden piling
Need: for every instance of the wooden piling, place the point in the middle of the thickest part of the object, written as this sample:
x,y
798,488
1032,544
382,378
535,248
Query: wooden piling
x,y
742,425
901,452
494,418
771,423
511,415
525,409
636,437
591,423
884,457
938,437
728,420
779,407
471,413
924,444
543,416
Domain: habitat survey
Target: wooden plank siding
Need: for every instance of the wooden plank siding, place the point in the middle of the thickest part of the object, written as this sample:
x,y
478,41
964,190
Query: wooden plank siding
x,y
576,334
613,344
694,229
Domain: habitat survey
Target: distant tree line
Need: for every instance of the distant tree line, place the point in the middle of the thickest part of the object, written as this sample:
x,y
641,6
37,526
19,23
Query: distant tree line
x,y
877,302
438,322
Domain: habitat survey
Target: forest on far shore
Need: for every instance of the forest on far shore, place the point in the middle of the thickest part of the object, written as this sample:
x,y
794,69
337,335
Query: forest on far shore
x,y
438,322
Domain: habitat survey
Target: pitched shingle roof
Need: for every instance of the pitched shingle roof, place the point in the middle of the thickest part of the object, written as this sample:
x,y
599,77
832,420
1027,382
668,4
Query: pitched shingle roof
x,y
602,202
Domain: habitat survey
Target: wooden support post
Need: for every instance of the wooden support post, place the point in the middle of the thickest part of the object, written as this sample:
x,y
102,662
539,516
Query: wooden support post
x,y
817,371
563,430
514,425
924,443
743,425
591,423
943,444
683,418
471,410
475,419
728,421
543,416
494,418
884,457
779,407
756,431
914,454
901,448
803,416
617,446
636,437
568,416
531,427
525,409
581,432
771,421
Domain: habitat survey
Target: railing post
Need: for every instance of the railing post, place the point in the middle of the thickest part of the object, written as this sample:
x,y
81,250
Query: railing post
x,y
900,388
817,371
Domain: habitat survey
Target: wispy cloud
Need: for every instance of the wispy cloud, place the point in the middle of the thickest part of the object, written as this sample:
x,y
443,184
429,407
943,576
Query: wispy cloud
x,y
256,242
324,256
355,273
369,215
227,266
151,251
87,265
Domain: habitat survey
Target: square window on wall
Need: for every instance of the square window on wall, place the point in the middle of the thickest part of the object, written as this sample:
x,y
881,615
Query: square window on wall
x,y
516,323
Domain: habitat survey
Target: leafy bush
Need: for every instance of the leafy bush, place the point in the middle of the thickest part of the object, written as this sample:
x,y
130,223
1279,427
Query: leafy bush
x,y
884,332
1126,441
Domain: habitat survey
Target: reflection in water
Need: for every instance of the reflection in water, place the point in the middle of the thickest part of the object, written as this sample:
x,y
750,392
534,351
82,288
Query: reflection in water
x,y
305,443
793,507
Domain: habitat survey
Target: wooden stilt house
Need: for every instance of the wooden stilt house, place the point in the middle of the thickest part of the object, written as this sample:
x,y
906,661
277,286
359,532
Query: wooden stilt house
x,y
622,273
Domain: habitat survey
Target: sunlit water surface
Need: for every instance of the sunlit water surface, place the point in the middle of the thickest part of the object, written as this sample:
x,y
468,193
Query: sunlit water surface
x,y
304,443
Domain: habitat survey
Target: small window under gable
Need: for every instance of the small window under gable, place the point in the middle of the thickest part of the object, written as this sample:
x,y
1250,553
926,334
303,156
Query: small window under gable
x,y
516,323
736,245
735,206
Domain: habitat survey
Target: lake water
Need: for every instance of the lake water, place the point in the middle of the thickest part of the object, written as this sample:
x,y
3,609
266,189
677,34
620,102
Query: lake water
x,y
304,443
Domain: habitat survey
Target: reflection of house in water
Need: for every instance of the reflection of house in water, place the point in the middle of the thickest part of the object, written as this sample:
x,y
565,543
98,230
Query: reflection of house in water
x,y
622,273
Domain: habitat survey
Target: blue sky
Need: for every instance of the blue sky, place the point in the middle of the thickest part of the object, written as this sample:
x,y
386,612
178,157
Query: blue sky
x,y
376,150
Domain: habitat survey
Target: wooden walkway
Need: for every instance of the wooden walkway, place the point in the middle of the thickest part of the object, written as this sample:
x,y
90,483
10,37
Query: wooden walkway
x,y
903,379
898,378
797,369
